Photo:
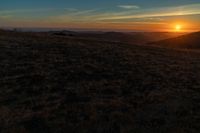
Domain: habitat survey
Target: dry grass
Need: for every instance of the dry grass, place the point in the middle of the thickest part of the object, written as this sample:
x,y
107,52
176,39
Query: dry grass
x,y
54,84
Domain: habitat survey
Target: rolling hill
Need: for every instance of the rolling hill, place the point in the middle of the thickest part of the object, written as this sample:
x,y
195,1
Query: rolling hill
x,y
123,37
56,84
189,41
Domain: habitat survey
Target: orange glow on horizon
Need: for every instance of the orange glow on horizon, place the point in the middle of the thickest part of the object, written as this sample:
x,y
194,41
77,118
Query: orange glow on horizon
x,y
169,26
180,27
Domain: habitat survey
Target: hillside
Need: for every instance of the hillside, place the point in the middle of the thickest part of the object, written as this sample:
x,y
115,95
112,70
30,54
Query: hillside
x,y
53,84
189,41
123,37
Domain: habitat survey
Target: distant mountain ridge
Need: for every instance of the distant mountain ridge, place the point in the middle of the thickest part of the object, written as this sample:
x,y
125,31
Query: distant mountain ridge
x,y
123,37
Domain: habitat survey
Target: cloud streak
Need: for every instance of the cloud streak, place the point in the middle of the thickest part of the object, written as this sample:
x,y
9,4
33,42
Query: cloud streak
x,y
129,6
112,16
193,9
131,15
102,14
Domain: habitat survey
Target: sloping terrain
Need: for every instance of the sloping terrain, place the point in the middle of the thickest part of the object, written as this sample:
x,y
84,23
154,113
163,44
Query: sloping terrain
x,y
189,41
54,84
123,37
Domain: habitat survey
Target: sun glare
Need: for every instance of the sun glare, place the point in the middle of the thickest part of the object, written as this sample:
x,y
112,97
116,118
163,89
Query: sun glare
x,y
178,27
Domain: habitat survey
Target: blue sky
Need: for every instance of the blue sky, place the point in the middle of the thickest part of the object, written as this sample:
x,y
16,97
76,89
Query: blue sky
x,y
16,4
108,14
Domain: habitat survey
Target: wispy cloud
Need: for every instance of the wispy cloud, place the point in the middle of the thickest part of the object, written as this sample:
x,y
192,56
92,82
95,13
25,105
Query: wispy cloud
x,y
95,15
193,9
129,6
18,11
5,16
70,12
83,12
131,15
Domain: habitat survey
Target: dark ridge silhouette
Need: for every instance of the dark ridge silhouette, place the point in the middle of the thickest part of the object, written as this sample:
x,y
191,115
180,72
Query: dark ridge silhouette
x,y
123,37
63,33
189,41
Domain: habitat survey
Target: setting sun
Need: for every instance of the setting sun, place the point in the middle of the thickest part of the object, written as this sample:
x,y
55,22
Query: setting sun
x,y
178,27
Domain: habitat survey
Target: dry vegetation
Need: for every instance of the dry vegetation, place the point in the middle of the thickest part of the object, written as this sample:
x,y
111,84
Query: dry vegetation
x,y
52,84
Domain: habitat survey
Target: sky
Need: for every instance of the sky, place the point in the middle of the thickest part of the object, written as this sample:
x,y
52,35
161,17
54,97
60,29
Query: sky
x,y
133,15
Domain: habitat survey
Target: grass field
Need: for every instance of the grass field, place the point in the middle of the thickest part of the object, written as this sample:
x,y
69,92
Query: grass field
x,y
51,84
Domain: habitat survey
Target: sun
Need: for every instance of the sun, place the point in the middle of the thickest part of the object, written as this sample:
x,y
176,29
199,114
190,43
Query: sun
x,y
178,27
